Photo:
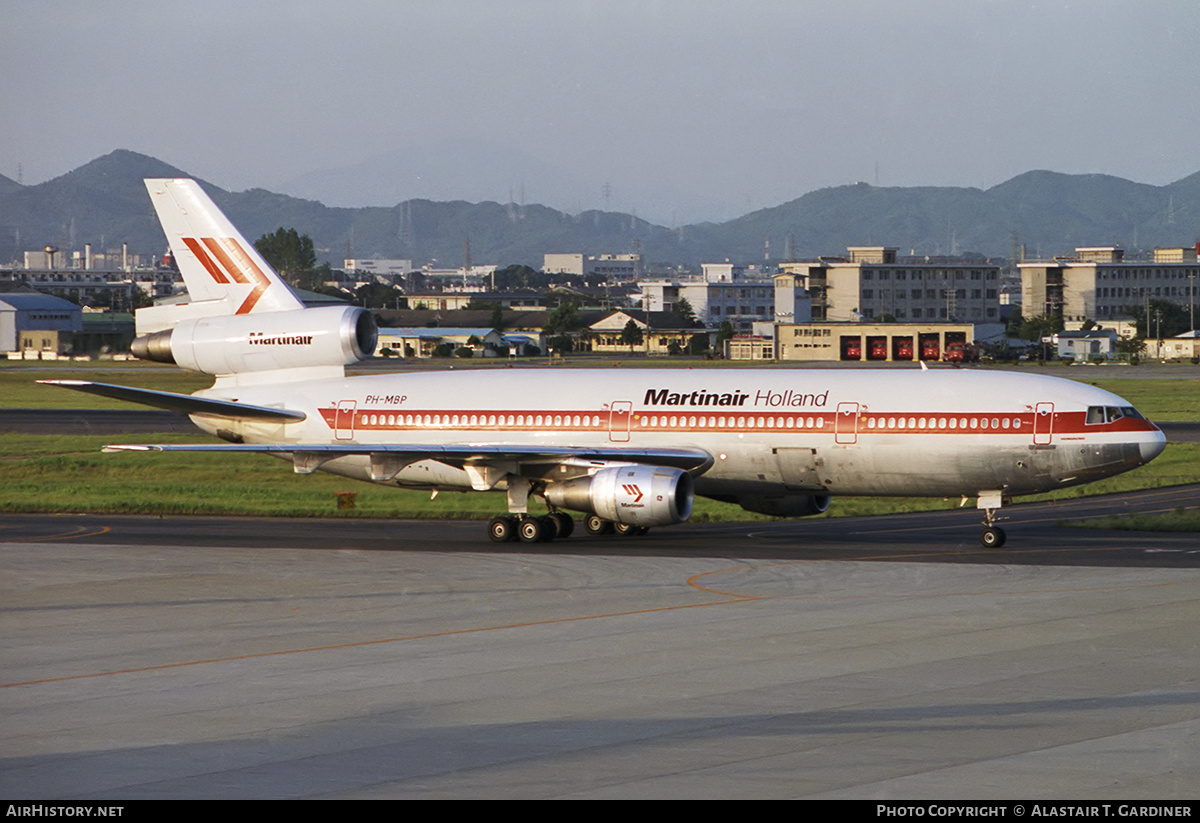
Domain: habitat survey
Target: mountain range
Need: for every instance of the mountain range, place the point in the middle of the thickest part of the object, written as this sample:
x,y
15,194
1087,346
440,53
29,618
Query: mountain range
x,y
104,203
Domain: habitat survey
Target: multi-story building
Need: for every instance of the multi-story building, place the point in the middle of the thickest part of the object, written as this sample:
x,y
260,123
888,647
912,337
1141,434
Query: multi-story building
x,y
724,292
613,267
1098,283
839,340
873,283
115,278
371,267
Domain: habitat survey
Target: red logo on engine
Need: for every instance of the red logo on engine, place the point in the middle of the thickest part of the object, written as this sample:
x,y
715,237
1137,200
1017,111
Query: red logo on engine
x,y
633,491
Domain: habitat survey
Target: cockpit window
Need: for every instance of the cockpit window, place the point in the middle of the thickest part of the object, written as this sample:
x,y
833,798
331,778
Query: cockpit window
x,y
1109,414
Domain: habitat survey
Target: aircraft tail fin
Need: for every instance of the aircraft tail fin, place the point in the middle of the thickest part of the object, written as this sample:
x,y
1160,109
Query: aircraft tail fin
x,y
221,269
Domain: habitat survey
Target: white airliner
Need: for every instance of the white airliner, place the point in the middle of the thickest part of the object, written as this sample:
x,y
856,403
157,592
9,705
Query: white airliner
x,y
628,447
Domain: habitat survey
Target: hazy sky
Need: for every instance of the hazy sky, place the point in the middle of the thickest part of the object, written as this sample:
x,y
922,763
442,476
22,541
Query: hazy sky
x,y
687,109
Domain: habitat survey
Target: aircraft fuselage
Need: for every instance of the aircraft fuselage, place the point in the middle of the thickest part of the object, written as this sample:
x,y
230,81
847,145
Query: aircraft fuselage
x,y
838,432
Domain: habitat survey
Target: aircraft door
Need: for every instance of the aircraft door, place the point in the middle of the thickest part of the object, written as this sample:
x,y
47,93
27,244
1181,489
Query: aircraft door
x,y
620,418
1043,424
845,425
343,422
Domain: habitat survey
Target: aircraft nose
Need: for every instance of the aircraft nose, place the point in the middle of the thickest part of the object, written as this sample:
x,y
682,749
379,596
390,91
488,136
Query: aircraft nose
x,y
1152,446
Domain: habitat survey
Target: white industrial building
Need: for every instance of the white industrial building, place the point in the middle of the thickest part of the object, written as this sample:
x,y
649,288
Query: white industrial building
x,y
611,267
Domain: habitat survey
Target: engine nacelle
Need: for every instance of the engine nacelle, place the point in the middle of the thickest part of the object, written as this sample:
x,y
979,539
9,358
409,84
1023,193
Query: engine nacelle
x,y
230,344
786,505
629,494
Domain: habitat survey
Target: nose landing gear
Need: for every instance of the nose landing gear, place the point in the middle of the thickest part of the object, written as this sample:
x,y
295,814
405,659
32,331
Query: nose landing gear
x,y
992,536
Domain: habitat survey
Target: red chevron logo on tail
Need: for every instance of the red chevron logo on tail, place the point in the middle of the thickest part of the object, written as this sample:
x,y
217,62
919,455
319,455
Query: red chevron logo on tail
x,y
225,260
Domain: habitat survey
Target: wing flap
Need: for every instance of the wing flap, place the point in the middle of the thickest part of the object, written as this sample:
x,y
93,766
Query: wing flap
x,y
391,459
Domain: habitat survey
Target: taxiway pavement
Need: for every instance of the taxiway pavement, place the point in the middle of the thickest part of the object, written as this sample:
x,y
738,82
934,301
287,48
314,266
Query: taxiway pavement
x,y
867,658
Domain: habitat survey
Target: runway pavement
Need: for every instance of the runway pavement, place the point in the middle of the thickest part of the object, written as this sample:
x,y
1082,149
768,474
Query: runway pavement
x,y
869,658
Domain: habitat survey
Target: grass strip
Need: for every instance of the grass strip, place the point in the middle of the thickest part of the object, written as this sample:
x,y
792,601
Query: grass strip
x,y
68,473
1180,520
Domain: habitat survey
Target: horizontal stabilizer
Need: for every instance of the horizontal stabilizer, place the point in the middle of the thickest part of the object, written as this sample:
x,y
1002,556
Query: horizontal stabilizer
x,y
186,403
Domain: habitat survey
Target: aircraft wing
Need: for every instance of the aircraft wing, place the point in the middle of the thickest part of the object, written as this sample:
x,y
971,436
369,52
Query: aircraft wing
x,y
186,403
486,464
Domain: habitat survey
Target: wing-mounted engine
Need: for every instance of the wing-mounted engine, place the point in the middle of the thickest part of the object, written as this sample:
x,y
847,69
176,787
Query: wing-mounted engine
x,y
629,494
231,344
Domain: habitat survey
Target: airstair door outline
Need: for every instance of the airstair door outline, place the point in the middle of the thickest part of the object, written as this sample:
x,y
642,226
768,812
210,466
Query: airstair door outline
x,y
620,418
845,424
343,421
1043,424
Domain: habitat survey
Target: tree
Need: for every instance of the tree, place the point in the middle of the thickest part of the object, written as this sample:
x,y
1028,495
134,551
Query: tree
x,y
1035,328
1015,321
498,320
683,310
631,335
561,343
291,254
697,344
1167,319
563,319
517,276
1131,347
377,296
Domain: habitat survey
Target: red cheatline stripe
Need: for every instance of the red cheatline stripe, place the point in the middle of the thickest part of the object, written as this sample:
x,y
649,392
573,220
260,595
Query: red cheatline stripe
x,y
205,260
1065,423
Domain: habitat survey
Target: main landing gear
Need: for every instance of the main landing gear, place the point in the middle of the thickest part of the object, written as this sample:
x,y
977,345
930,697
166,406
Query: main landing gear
x,y
506,528
518,524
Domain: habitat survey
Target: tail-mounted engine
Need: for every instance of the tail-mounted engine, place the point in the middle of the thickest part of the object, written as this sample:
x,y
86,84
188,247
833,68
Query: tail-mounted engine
x,y
630,494
230,344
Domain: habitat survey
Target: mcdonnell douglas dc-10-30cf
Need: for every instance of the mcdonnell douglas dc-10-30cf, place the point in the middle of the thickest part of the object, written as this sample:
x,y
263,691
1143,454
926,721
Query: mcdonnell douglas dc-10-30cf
x,y
627,448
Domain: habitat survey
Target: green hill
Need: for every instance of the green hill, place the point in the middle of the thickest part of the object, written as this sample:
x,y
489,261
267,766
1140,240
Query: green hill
x,y
104,203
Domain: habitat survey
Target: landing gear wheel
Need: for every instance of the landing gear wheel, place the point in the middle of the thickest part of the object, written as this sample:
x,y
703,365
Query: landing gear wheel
x,y
992,537
565,524
626,530
597,525
531,530
549,527
502,529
